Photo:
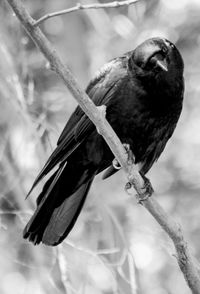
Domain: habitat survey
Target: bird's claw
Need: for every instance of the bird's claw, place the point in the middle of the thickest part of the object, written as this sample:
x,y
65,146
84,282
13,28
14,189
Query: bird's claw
x,y
148,191
127,187
126,147
116,164
131,157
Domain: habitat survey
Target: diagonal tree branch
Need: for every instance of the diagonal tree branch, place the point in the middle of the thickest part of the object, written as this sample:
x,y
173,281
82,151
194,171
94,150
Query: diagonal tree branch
x,y
97,115
79,6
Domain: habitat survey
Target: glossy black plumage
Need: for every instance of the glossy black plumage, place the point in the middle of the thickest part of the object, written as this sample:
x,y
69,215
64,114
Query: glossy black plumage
x,y
143,92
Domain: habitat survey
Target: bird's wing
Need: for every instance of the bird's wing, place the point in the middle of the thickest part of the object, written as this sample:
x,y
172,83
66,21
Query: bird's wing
x,y
101,90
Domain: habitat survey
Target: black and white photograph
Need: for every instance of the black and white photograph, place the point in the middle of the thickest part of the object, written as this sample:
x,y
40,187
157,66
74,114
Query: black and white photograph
x,y
99,147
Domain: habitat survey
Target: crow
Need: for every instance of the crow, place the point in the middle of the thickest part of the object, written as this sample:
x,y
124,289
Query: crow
x,y
143,94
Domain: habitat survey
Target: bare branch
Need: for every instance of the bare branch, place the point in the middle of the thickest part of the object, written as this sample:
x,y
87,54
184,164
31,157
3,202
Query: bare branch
x,y
79,6
94,113
185,259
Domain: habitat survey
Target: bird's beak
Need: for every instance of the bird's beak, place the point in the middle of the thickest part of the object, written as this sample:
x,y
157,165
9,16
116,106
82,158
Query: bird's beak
x,y
162,64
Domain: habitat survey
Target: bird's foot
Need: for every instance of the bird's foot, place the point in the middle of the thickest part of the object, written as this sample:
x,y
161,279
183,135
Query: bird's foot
x,y
148,190
131,157
127,187
116,164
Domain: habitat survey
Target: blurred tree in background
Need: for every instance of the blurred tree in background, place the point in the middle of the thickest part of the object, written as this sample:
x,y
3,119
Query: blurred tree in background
x,y
116,246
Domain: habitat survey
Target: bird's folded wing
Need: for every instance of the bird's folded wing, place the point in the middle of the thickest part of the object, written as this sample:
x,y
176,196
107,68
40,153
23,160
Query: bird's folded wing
x,y
101,90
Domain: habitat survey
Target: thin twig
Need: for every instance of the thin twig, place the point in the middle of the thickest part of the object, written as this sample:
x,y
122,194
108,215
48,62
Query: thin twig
x,y
79,6
184,257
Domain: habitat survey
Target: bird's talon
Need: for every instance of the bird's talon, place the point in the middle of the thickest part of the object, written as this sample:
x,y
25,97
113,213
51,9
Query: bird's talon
x,y
148,190
131,157
116,164
127,187
126,147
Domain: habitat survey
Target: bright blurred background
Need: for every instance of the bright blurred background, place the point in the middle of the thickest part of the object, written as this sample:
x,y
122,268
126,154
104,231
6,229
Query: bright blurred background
x,y
116,246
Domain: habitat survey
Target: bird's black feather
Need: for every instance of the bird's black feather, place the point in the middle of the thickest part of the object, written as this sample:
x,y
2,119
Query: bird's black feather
x,y
143,93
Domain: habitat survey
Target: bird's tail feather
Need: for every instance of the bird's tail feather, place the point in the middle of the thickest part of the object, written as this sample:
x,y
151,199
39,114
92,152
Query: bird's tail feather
x,y
57,208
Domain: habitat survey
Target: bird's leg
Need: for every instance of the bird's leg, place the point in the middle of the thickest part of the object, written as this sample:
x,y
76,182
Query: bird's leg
x,y
148,189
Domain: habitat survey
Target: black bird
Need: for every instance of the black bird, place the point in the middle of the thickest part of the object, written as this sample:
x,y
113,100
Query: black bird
x,y
143,93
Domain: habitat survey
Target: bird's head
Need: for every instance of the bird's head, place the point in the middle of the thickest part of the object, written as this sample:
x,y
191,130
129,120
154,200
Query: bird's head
x,y
155,57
